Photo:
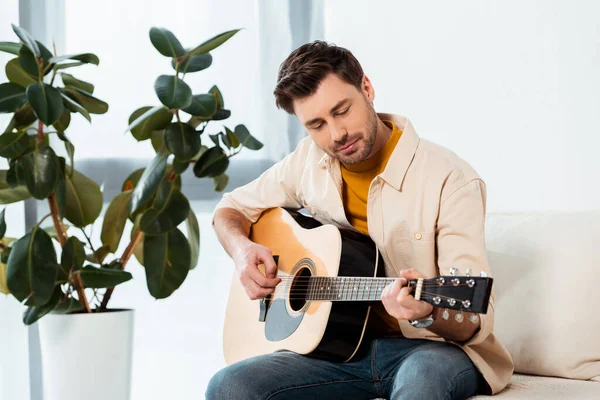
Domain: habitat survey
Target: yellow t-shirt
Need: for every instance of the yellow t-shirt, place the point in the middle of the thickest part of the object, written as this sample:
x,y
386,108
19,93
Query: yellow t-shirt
x,y
357,179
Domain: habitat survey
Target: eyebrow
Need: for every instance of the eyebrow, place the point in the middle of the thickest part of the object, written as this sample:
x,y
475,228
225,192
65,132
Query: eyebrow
x,y
332,111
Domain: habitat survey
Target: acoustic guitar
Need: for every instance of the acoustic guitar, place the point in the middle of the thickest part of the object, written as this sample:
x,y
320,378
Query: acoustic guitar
x,y
330,278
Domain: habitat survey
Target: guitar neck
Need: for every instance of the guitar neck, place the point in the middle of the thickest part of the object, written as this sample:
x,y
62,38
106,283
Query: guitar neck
x,y
346,288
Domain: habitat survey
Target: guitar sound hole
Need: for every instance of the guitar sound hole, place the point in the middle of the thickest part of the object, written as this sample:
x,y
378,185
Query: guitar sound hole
x,y
299,289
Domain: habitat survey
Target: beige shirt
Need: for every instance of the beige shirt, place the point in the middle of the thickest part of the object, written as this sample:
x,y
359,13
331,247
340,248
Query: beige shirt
x,y
425,211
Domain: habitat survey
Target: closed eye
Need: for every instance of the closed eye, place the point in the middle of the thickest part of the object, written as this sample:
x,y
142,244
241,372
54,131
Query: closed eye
x,y
343,112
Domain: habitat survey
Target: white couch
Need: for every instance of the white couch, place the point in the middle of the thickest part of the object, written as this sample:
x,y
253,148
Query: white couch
x,y
546,270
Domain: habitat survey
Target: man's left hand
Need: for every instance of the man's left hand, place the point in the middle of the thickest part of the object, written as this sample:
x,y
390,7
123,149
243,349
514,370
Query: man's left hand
x,y
399,302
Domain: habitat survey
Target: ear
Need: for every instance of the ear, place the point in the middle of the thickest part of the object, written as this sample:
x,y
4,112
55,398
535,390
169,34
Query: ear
x,y
367,88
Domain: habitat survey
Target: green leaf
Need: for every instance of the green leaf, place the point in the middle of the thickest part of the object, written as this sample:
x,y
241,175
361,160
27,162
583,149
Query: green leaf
x,y
33,314
146,120
193,236
221,114
231,140
94,277
172,91
70,80
92,104
73,255
15,176
180,166
149,182
218,96
29,63
166,43
213,43
60,189
63,123
10,47
86,58
83,199
115,219
100,254
46,102
68,65
41,171
17,75
169,209
24,117
211,163
31,269
247,139
13,144
12,97
2,224
167,260
220,182
27,40
193,63
203,105
74,106
138,252
215,139
158,141
182,140
68,306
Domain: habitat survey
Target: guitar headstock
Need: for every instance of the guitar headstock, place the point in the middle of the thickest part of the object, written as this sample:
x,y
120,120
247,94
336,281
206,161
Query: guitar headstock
x,y
461,293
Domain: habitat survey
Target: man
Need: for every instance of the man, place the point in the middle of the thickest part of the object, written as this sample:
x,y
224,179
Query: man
x,y
421,204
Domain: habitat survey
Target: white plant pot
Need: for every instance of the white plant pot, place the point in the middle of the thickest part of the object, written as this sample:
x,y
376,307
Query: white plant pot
x,y
87,356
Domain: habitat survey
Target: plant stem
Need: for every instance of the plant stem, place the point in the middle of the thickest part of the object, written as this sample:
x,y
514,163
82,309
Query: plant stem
x,y
62,238
137,236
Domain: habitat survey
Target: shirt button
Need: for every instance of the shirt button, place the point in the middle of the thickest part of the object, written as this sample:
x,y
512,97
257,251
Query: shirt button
x,y
418,236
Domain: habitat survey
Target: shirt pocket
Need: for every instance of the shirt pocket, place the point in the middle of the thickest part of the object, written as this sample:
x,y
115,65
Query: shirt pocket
x,y
414,249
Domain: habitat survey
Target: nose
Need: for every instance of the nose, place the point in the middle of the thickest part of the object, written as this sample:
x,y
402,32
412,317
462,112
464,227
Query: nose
x,y
337,133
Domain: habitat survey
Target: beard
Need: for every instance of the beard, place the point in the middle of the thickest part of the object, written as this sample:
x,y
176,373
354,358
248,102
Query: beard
x,y
364,144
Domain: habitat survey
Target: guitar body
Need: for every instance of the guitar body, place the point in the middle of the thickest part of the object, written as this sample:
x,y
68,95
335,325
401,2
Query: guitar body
x,y
324,329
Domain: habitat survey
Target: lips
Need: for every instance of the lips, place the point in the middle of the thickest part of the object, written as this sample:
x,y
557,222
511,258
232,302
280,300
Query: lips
x,y
346,147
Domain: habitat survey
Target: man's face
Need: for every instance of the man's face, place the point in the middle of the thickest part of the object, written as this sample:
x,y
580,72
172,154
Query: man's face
x,y
340,118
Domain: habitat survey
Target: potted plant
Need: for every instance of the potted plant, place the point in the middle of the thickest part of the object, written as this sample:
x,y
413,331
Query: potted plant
x,y
64,280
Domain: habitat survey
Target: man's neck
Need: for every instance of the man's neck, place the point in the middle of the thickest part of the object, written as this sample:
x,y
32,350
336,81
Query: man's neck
x,y
383,135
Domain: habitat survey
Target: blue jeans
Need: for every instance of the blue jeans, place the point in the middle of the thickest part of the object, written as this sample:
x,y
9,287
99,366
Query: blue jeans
x,y
392,368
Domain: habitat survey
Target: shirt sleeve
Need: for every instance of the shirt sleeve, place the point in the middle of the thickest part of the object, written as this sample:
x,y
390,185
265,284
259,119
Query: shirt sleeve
x,y
276,187
461,242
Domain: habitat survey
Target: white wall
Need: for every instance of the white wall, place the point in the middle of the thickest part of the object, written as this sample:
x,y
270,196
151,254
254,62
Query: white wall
x,y
512,86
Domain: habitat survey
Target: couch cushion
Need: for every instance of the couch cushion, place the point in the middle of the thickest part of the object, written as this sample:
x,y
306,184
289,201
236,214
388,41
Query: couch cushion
x,y
537,387
547,275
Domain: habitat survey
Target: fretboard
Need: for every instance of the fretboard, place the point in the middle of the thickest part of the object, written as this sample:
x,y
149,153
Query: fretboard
x,y
346,288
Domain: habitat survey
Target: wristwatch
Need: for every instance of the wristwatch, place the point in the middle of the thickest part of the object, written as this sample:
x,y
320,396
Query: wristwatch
x,y
423,322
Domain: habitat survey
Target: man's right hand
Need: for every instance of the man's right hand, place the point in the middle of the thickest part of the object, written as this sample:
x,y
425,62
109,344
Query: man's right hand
x,y
256,284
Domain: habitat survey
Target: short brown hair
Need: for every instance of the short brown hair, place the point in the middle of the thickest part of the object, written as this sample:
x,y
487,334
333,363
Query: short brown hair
x,y
304,69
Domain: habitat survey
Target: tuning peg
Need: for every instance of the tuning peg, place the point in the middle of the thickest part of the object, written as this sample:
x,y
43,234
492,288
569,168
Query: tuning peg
x,y
468,271
445,314
483,274
474,318
453,271
459,317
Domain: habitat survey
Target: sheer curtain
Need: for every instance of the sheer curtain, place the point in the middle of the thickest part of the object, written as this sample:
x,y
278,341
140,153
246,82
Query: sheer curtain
x,y
14,361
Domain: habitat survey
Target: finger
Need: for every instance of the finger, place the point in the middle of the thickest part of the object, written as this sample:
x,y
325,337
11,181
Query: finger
x,y
396,286
411,274
406,300
254,273
267,259
255,291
